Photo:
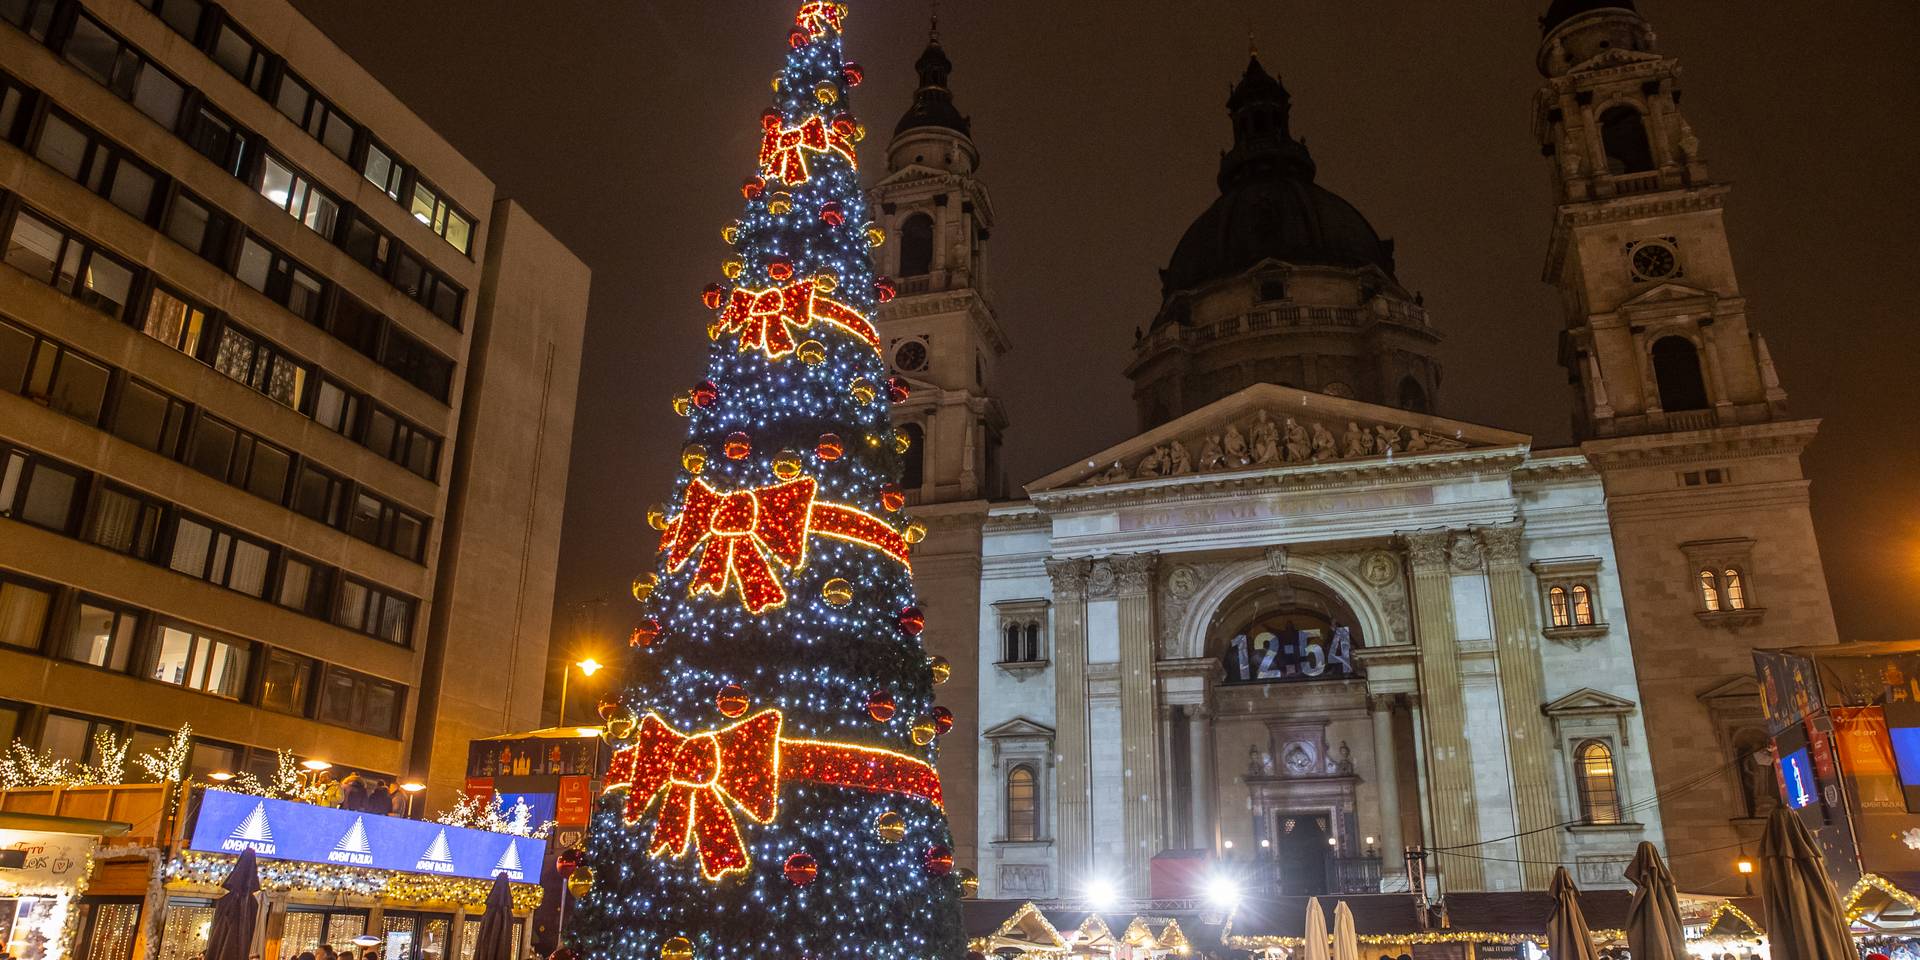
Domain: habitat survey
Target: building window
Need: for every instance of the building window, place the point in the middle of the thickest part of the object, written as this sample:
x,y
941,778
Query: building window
x,y
239,55
296,194
39,491
98,165
217,137
916,246
1623,134
286,683
220,556
414,362
148,418
282,280
1413,396
208,664
52,375
384,170
182,15
1023,806
447,222
125,522
1599,791
312,113
1709,591
260,365
1734,589
70,737
14,111
1582,605
69,264
1557,604
319,495
102,636
23,614
195,224
360,702
913,471
33,16
174,321
1676,372
1021,641
374,611
98,53
305,586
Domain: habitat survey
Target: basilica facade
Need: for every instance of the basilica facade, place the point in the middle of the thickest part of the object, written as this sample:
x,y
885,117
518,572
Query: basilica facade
x,y
1302,622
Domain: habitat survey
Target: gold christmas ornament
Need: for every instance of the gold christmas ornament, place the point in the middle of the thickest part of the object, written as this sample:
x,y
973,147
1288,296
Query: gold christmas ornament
x,y
859,132
780,204
825,283
916,532
826,93
941,669
787,464
679,948
837,592
923,732
863,390
891,826
811,352
733,269
694,458
902,441
683,405
876,236
581,883
969,882
657,516
731,234
644,585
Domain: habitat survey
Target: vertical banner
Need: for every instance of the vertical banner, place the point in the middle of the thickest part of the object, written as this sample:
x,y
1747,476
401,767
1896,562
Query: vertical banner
x,y
1866,754
575,805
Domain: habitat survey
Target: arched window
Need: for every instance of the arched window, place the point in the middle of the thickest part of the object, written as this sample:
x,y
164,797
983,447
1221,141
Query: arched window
x,y
913,474
1032,648
916,246
1733,589
1023,805
1010,644
1709,591
1623,132
1413,396
1582,605
1676,370
1557,604
1599,791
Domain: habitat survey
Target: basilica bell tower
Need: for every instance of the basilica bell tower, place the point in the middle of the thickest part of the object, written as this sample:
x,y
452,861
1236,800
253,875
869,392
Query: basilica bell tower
x,y
942,335
1677,402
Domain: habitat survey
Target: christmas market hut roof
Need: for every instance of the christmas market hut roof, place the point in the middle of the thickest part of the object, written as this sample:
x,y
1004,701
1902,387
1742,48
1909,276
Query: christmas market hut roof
x,y
1505,917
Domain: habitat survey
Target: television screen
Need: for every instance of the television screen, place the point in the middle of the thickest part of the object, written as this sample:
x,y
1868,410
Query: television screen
x,y
1796,775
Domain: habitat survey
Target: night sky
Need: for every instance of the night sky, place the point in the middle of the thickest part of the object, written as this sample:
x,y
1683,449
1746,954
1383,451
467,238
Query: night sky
x,y
627,125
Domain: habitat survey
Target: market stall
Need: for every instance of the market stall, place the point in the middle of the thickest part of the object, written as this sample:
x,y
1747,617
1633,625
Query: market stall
x,y
44,865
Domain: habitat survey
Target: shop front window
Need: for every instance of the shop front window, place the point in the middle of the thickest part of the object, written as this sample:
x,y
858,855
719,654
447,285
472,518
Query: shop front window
x,y
184,932
107,930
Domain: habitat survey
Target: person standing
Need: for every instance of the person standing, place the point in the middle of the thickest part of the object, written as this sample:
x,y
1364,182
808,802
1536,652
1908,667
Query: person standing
x,y
379,797
353,796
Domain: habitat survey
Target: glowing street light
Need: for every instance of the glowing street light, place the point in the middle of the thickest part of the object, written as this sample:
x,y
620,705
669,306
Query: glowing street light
x,y
587,668
1101,895
412,789
1223,892
220,776
1744,865
315,766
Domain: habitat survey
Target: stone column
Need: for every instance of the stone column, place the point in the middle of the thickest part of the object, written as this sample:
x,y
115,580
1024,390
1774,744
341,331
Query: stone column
x,y
1071,784
1522,692
1386,779
1200,743
1139,747
1450,762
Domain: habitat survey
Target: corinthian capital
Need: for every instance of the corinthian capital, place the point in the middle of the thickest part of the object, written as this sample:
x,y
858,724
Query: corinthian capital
x,y
1427,549
1502,543
1133,574
1069,578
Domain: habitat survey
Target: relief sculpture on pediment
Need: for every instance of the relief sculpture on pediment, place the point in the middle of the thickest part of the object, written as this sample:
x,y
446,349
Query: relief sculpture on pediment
x,y
1267,441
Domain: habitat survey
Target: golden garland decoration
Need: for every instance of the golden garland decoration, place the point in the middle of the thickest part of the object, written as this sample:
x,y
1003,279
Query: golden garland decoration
x,y
1727,906
210,870
1873,881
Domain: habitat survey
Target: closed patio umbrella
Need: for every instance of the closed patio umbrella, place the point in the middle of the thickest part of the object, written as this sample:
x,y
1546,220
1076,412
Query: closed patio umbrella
x,y
1653,917
1316,935
1346,942
1804,920
1567,935
230,935
494,939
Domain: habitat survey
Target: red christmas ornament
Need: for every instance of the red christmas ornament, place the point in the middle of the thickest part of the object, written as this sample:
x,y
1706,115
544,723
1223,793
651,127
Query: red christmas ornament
x,y
739,446
942,720
845,125
780,269
567,862
880,706
798,38
610,708
646,634
854,73
892,497
771,119
884,290
732,701
753,187
801,869
939,861
830,447
705,393
913,620
832,214
897,389
713,296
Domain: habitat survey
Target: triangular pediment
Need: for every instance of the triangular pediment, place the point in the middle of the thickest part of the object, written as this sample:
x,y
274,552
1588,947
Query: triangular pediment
x,y
1018,727
1614,57
1740,686
1669,292
1587,700
913,173
1269,427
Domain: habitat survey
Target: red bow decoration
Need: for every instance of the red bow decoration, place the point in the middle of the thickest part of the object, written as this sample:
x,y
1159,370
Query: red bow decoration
x,y
783,151
817,18
745,528
763,317
703,777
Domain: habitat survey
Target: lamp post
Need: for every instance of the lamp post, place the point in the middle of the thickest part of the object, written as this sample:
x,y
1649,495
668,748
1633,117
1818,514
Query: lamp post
x,y
588,668
412,789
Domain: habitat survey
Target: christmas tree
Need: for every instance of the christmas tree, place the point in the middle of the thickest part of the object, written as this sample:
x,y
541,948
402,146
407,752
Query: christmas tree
x,y
773,793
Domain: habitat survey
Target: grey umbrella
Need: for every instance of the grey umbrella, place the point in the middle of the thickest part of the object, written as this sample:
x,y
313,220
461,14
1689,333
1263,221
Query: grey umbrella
x,y
494,939
1567,935
1804,920
230,936
1653,918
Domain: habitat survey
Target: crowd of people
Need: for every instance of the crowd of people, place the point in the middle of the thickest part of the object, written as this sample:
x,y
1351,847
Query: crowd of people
x,y
361,795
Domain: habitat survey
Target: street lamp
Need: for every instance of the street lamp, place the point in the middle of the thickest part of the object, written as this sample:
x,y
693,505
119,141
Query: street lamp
x,y
587,668
412,789
220,776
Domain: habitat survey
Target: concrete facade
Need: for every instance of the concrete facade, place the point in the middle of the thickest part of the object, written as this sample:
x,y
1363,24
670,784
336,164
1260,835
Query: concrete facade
x,y
339,323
